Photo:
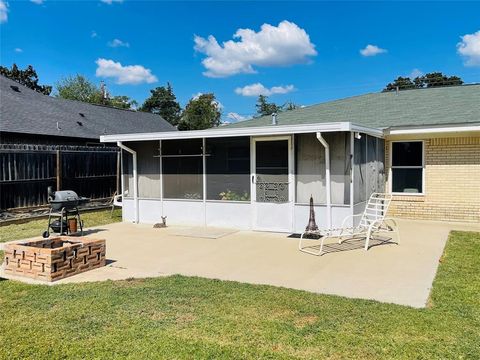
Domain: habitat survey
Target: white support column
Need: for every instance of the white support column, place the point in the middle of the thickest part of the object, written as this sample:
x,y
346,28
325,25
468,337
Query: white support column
x,y
204,178
327,178
352,171
161,175
135,180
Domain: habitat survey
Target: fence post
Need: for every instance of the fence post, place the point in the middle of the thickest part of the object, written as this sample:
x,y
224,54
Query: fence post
x,y
59,171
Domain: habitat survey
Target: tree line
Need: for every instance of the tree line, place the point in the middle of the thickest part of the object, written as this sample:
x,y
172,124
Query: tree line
x,y
201,112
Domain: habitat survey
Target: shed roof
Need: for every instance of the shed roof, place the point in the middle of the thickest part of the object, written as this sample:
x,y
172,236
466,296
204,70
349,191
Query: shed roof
x,y
29,112
420,107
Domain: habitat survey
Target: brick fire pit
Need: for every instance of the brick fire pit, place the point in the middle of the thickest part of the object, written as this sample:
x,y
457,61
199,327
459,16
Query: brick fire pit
x,y
55,258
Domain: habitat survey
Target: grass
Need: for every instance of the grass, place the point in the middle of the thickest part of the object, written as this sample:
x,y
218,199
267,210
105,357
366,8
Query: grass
x,y
35,228
192,318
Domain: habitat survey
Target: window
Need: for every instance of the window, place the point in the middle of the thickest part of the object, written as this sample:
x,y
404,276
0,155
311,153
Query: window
x,y
182,169
310,168
407,167
228,169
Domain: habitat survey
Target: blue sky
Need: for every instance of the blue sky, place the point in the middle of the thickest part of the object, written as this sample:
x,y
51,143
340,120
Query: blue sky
x,y
310,53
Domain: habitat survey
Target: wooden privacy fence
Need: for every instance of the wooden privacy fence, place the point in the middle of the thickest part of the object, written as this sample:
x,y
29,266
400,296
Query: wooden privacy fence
x,y
27,170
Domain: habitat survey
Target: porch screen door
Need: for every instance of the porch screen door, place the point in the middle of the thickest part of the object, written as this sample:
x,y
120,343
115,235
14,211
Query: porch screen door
x,y
272,185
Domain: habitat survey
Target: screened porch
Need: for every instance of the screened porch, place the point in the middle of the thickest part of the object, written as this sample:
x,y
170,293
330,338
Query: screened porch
x,y
252,182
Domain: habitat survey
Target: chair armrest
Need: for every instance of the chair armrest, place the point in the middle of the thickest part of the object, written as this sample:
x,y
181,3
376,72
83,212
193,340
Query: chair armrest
x,y
348,217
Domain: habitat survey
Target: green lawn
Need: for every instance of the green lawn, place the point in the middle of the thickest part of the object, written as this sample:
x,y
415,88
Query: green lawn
x,y
37,227
194,318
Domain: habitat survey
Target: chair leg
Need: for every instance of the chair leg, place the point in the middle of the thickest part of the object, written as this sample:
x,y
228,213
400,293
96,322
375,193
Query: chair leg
x,y
305,250
111,212
367,239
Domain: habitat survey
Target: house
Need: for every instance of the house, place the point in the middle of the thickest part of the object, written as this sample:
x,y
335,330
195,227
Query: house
x,y
29,117
47,141
423,146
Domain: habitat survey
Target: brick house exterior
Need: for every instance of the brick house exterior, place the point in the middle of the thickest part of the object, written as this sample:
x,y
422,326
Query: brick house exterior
x,y
452,180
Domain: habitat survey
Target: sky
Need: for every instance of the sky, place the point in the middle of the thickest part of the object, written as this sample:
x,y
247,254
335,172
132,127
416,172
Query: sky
x,y
300,52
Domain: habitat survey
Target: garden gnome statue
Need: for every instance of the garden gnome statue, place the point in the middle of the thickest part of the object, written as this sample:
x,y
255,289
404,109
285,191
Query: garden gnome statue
x,y
312,226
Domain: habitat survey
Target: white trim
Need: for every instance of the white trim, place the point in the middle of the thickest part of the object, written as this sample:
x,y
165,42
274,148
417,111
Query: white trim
x,y
161,175
135,178
352,172
249,131
327,178
432,129
204,181
406,167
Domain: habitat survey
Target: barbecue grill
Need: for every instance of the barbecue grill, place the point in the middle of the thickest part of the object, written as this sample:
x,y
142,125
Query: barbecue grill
x,y
64,212
67,199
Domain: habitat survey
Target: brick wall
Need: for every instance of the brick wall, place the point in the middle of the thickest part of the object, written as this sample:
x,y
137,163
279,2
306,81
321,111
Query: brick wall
x,y
452,182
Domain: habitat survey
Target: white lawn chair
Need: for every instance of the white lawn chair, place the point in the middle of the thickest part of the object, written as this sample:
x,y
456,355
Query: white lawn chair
x,y
116,201
373,220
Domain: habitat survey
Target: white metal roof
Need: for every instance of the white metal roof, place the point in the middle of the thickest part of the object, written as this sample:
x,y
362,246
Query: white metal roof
x,y
251,131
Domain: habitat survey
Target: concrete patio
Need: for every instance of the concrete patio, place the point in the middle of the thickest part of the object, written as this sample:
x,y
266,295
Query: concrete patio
x,y
387,272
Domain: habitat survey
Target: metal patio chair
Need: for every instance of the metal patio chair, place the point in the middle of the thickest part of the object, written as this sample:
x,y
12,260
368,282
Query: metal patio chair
x,y
373,221
116,201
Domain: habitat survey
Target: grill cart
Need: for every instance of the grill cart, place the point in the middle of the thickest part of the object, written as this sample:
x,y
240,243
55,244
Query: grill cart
x,y
64,216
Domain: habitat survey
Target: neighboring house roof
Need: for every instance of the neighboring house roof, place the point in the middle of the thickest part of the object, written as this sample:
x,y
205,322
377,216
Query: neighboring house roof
x,y
430,106
29,112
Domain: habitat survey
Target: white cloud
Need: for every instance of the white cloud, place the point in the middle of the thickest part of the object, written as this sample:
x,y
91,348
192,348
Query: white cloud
x,y
469,48
3,11
93,34
38,2
118,43
237,117
415,73
131,74
282,45
18,50
110,2
258,89
372,50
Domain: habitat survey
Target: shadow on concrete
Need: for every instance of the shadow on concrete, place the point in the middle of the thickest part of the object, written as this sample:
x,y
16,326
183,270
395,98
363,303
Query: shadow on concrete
x,y
352,244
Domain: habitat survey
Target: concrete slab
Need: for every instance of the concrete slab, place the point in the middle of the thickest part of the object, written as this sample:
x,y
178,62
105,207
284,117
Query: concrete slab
x,y
400,274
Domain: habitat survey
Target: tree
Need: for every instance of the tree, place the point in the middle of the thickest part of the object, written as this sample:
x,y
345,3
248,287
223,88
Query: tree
x,y
122,102
27,77
201,112
163,102
79,88
265,108
290,106
400,83
435,79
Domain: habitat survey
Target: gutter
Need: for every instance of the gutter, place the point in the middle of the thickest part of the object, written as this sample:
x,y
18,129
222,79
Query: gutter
x,y
135,180
327,177
411,130
269,130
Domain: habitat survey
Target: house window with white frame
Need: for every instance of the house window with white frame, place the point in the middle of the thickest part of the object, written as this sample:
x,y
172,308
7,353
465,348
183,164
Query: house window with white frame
x,y
407,167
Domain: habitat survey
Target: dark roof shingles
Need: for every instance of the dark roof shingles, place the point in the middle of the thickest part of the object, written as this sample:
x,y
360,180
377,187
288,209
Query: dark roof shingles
x,y
30,112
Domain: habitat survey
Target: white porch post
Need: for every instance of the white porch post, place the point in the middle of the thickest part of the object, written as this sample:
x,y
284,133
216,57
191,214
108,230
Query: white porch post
x,y
327,178
135,180
204,178
161,175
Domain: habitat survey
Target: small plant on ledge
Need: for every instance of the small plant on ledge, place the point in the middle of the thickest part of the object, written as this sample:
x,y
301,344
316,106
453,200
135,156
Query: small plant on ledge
x,y
233,196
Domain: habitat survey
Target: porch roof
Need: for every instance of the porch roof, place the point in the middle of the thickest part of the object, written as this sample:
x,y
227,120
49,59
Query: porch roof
x,y
250,131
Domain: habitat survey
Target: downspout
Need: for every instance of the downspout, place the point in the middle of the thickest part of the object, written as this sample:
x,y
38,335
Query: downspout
x,y
327,177
135,181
